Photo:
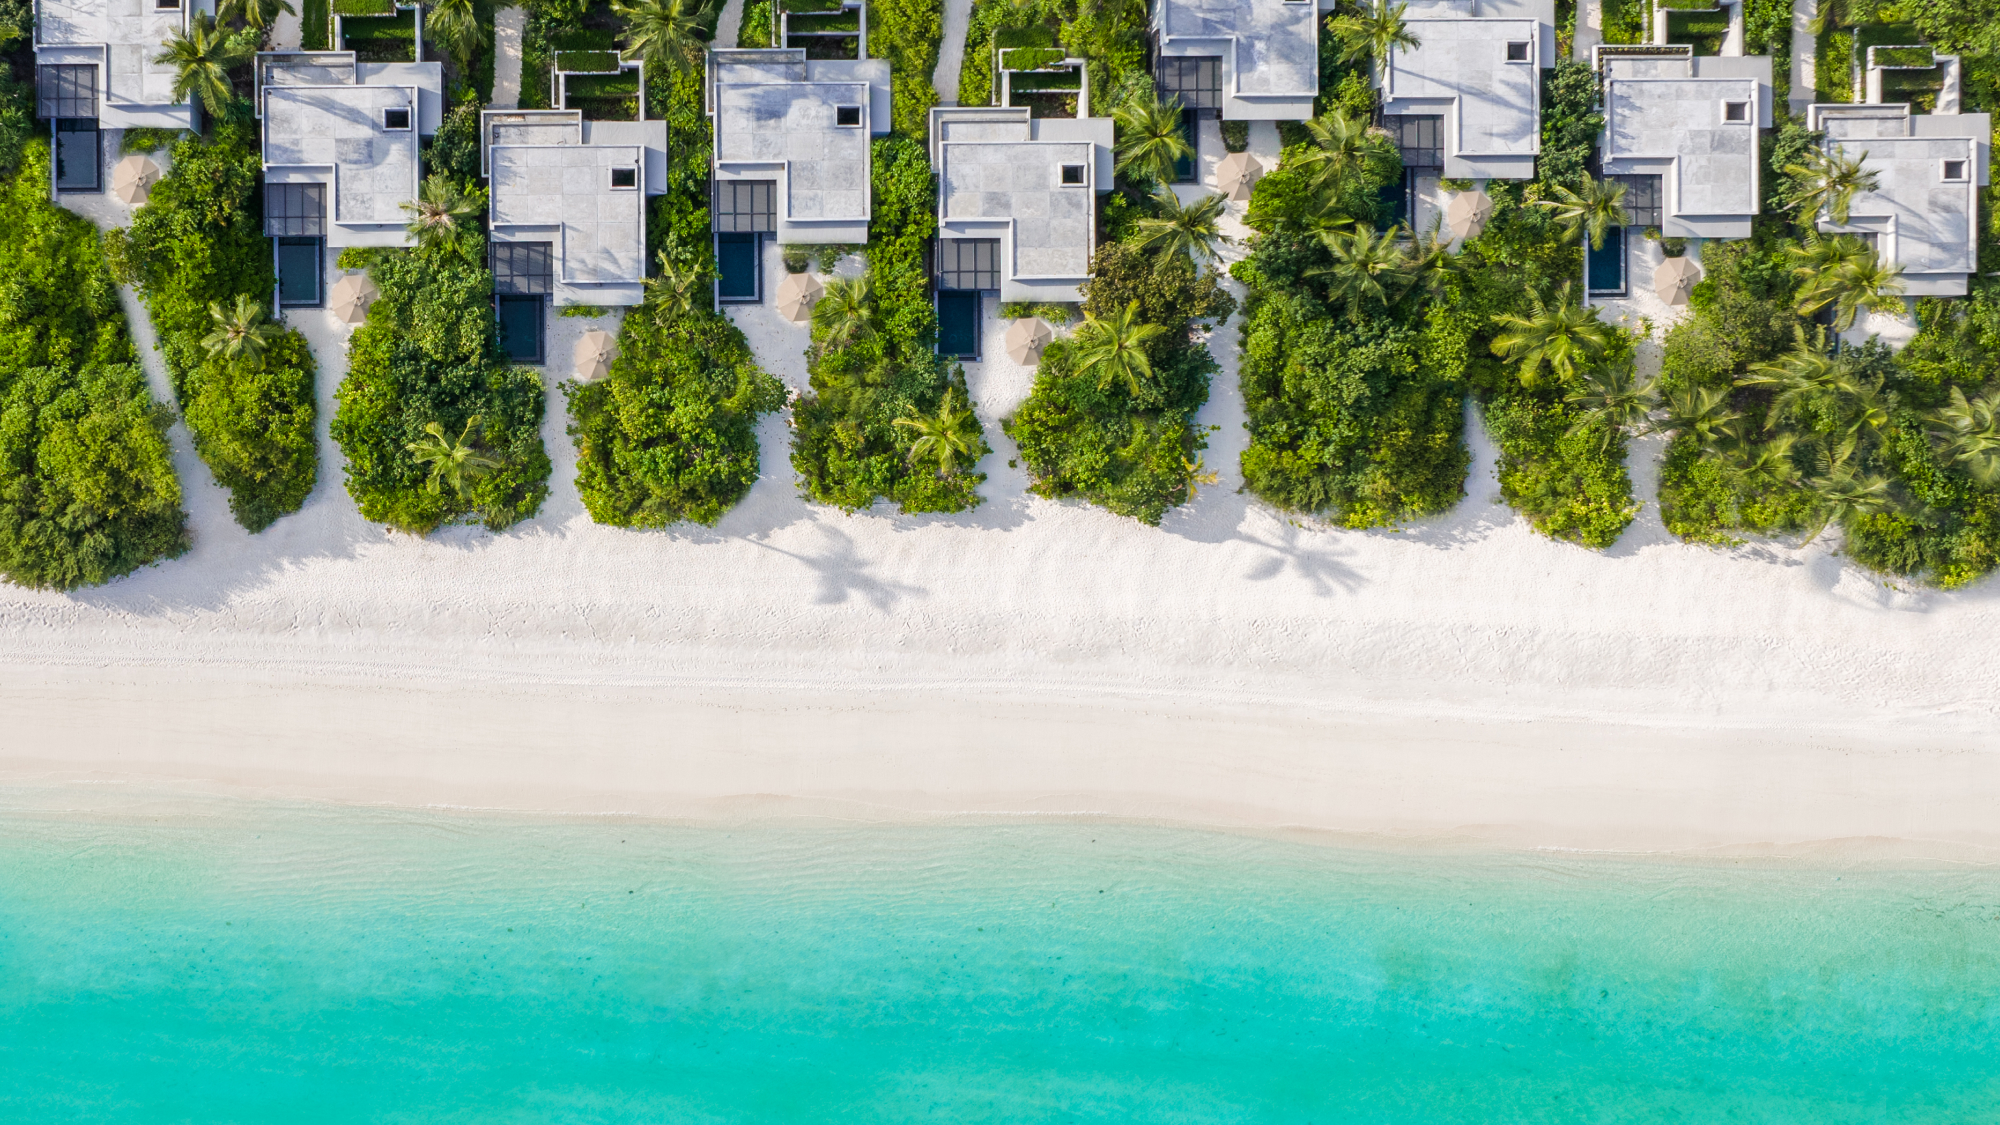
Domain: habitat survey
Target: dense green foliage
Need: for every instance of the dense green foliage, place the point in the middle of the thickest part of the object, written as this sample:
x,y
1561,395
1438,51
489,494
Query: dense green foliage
x,y
427,355
755,30
199,241
1131,449
671,433
1570,482
847,448
907,33
87,485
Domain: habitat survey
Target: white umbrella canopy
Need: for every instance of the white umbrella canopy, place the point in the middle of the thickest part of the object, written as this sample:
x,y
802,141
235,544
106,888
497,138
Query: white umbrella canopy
x,y
1465,216
351,297
1674,279
1236,174
1025,340
797,294
132,179
594,353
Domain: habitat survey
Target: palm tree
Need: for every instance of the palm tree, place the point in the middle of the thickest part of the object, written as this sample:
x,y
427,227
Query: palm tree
x,y
258,14
672,294
1115,349
1150,141
1365,266
1565,337
1612,399
1968,432
201,58
1374,33
444,213
1198,473
1185,229
668,35
1700,412
1592,210
1342,147
241,332
945,437
1428,262
1818,254
1840,493
1851,284
1758,466
456,24
845,312
452,462
1829,183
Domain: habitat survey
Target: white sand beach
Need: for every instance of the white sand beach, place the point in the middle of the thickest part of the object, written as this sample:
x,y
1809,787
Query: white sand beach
x,y
1459,678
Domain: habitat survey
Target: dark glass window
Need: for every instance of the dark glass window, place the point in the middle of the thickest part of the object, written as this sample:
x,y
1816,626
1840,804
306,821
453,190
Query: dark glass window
x,y
78,157
300,267
624,177
66,91
739,267
969,263
396,117
1196,82
1642,200
1605,265
958,323
520,327
523,269
847,115
1419,139
295,210
1517,51
746,206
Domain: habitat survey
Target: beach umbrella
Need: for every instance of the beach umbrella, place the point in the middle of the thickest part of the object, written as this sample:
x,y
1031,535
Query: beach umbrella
x,y
1025,340
594,353
1465,216
132,179
1236,173
796,295
351,297
1674,279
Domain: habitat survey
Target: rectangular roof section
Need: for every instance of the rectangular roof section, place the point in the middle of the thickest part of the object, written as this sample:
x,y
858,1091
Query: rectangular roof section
x,y
1693,122
1268,52
121,38
1001,174
1480,72
1924,218
808,127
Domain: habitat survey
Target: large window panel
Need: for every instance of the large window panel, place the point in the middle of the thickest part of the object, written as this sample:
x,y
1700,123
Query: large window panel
x,y
295,210
969,263
745,206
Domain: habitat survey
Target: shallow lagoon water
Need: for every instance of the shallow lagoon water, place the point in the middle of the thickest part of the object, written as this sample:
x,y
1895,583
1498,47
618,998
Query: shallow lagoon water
x,y
333,964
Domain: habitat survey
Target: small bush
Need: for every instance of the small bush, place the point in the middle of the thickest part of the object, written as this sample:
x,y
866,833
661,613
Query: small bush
x,y
1571,486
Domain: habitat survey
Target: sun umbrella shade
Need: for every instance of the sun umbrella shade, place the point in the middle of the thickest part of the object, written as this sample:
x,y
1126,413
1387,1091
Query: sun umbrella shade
x,y
1465,216
1675,278
796,295
132,179
1025,340
351,297
594,353
1236,174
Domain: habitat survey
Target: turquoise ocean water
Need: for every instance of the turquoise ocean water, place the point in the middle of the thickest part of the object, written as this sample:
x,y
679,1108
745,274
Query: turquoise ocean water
x,y
322,964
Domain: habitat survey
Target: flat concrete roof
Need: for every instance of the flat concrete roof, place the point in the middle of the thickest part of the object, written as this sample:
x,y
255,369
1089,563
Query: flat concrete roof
x,y
1019,181
123,36
1276,42
1462,60
567,188
342,127
793,123
1680,119
1931,222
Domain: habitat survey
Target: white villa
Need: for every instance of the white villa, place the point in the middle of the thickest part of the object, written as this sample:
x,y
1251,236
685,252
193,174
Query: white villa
x,y
792,155
94,70
341,156
1924,212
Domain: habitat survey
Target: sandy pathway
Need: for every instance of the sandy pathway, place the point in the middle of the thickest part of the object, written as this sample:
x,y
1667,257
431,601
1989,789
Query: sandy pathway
x,y
508,26
951,50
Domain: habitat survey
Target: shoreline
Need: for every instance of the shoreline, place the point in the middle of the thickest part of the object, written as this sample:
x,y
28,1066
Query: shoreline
x,y
873,755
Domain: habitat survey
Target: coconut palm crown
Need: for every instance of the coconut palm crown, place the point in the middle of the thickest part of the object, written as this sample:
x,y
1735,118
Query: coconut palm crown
x,y
201,57
1189,230
1372,33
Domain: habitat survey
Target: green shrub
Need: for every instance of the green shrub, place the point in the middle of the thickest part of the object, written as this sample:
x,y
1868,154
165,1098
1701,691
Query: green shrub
x,y
315,25
755,30
846,447
1353,421
1570,123
87,485
1131,455
199,241
907,34
428,354
1571,486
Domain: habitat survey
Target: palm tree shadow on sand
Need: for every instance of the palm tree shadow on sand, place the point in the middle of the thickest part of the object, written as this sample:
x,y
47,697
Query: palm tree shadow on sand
x,y
843,573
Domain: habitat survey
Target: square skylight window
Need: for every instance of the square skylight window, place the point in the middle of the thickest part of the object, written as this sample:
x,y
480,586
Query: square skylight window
x,y
1736,111
625,178
1517,51
847,115
395,118
1955,171
1072,175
